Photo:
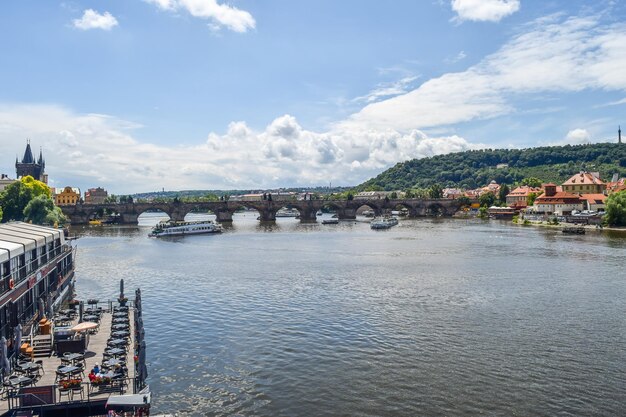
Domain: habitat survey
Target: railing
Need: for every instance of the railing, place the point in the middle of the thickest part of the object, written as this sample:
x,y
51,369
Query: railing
x,y
88,392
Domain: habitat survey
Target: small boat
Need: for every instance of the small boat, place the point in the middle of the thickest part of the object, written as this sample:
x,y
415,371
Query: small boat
x,y
319,213
574,230
95,222
330,221
169,228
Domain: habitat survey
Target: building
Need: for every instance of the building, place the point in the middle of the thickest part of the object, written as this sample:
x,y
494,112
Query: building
x,y
560,203
96,195
378,195
69,196
585,183
593,202
452,193
518,197
36,270
29,166
5,181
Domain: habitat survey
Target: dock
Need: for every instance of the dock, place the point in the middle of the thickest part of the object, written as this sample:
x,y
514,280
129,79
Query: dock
x,y
46,389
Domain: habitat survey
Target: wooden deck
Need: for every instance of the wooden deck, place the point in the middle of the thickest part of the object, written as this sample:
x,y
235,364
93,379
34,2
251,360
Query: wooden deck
x,y
93,356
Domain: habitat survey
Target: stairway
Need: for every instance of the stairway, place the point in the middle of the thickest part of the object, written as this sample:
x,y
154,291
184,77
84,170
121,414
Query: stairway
x,y
42,345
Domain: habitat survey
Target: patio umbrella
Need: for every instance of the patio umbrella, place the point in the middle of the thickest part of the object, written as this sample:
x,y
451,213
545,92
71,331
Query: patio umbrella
x,y
87,325
121,288
5,366
80,311
18,338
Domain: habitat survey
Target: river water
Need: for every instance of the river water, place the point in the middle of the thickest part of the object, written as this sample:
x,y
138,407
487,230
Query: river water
x,y
432,317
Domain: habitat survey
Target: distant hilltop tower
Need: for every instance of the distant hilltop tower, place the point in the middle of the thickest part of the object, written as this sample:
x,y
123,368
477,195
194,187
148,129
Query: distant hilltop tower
x,y
29,166
619,134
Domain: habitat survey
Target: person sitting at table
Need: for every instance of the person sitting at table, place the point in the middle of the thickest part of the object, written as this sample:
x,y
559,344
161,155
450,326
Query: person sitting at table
x,y
96,369
92,376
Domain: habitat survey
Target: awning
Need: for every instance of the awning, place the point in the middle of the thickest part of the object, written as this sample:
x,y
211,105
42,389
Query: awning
x,y
128,401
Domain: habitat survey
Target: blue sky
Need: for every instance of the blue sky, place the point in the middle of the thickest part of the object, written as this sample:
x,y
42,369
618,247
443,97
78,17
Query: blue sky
x,y
139,95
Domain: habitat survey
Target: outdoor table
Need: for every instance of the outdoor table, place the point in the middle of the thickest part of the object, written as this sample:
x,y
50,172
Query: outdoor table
x,y
120,333
115,342
29,366
115,351
91,317
119,320
120,327
74,357
66,370
112,362
120,315
18,381
66,312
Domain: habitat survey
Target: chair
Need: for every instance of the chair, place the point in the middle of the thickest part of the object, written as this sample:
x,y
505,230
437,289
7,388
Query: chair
x,y
41,368
65,391
66,362
78,391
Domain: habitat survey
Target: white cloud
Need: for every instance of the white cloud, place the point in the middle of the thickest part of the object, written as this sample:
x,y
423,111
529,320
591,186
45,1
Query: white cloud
x,y
386,90
91,19
484,10
220,15
554,54
281,154
577,137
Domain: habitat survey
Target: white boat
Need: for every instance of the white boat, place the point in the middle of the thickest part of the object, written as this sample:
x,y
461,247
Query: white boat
x,y
285,212
384,223
169,228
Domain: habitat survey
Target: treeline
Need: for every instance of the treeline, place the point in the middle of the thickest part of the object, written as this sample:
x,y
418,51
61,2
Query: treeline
x,y
473,169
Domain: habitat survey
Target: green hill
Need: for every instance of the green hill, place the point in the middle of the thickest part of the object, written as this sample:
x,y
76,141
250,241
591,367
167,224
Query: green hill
x,y
472,169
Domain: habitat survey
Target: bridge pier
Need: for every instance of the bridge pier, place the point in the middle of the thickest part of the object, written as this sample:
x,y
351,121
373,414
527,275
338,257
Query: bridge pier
x,y
308,215
346,214
267,215
224,216
129,218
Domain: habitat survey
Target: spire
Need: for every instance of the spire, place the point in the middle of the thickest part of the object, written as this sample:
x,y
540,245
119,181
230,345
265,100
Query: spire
x,y
40,161
28,155
619,134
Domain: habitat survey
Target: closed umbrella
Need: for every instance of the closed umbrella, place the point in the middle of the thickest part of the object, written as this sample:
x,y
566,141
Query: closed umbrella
x,y
121,288
49,312
5,366
80,311
18,338
41,308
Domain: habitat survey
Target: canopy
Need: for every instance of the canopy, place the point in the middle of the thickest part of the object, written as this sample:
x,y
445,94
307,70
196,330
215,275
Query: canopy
x,y
87,325
128,401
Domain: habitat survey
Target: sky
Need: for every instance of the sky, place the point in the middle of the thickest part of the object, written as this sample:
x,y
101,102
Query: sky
x,y
144,95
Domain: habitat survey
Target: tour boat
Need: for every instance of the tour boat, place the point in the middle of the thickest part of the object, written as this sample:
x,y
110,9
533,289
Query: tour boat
x,y
287,213
330,221
169,228
384,223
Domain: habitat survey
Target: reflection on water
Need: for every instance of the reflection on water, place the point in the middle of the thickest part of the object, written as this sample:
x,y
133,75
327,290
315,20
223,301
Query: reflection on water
x,y
431,317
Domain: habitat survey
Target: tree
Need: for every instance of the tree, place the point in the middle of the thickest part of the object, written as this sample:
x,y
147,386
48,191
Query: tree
x,y
41,210
393,195
487,199
14,199
504,191
616,209
409,193
350,197
435,191
1,213
530,200
464,200
531,182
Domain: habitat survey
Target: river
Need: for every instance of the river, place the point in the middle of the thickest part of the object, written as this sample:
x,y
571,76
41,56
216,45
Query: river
x,y
432,317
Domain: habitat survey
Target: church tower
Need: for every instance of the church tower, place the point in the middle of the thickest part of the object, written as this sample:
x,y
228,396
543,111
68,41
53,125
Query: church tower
x,y
619,134
29,166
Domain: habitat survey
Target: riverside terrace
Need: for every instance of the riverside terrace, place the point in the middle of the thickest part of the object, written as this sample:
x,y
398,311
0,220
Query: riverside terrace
x,y
53,385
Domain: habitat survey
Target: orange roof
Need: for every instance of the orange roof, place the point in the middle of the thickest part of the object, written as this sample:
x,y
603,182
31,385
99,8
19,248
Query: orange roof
x,y
594,198
584,178
523,191
560,197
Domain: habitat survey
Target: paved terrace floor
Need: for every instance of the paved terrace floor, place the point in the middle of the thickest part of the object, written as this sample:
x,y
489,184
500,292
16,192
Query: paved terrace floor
x,y
93,356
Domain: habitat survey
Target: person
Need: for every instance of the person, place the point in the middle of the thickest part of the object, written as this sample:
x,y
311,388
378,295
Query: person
x,y
96,369
91,376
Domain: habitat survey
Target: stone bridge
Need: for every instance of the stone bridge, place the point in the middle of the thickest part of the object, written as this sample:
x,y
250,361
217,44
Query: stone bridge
x,y
223,210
